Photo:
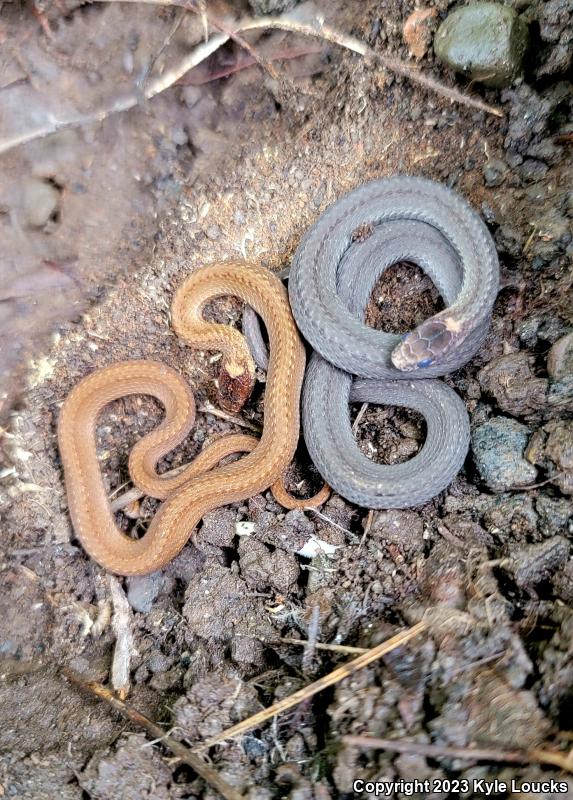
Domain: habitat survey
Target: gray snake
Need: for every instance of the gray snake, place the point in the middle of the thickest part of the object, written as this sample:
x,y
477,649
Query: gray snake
x,y
331,279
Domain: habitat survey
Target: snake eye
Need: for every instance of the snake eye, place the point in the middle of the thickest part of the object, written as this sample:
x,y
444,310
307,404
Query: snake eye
x,y
425,363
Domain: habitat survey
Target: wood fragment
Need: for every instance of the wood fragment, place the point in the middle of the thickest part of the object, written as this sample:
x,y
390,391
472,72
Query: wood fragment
x,y
535,755
330,679
157,733
124,649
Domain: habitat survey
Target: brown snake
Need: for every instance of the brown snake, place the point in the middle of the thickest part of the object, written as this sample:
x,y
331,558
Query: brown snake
x,y
200,487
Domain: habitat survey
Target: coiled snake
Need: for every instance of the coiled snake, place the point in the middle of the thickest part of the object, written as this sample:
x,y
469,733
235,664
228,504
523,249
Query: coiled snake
x,y
330,282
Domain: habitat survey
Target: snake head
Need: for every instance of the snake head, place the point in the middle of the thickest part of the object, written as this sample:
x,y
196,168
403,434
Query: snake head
x,y
426,345
235,384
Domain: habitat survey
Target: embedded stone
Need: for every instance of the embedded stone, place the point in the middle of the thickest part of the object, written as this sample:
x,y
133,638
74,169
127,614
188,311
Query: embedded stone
x,y
486,42
498,447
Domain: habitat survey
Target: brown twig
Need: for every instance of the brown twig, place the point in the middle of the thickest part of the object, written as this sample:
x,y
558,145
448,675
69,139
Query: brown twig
x,y
330,679
564,761
164,45
156,732
203,51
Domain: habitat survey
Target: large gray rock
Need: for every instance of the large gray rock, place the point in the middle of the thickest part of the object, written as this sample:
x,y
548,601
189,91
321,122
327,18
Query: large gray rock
x,y
498,447
484,41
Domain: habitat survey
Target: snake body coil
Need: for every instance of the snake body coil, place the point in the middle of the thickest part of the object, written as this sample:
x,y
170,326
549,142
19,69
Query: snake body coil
x,y
194,492
331,278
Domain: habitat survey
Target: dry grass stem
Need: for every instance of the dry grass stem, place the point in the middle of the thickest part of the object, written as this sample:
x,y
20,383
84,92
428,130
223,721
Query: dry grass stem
x,y
207,408
330,679
367,526
526,487
562,760
333,648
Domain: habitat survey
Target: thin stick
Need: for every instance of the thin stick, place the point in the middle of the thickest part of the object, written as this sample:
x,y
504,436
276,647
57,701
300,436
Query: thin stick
x,y
286,23
166,42
564,761
264,63
318,686
359,416
207,408
328,519
156,732
367,527
528,486
203,51
334,648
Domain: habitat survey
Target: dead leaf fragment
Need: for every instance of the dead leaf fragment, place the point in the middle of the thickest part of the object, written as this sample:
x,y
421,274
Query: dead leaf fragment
x,y
417,31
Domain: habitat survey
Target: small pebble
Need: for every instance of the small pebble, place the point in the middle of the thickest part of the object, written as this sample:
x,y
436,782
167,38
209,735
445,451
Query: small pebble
x,y
142,591
513,384
494,172
498,447
555,514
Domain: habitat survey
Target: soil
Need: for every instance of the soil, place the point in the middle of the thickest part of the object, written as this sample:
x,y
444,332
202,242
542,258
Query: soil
x,y
101,222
